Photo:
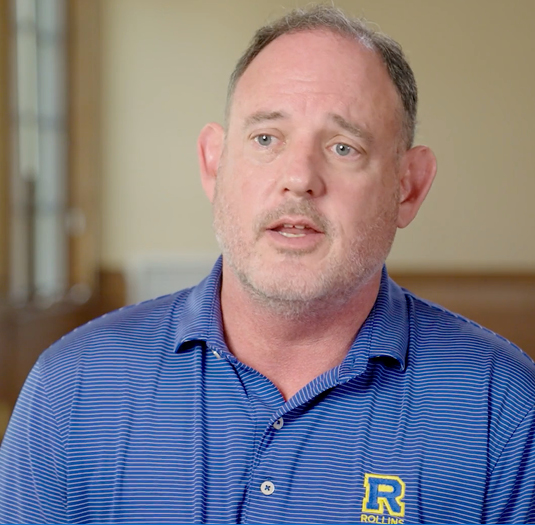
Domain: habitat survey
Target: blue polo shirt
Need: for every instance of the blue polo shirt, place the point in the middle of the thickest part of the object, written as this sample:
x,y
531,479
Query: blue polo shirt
x,y
144,415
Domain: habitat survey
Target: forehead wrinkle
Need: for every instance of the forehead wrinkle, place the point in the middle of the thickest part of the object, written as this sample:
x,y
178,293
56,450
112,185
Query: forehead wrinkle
x,y
262,116
350,127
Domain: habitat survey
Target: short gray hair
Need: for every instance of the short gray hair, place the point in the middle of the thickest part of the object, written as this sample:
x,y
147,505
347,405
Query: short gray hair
x,y
329,18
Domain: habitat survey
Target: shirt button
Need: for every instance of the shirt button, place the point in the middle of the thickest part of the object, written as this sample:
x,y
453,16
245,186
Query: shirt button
x,y
216,354
267,488
278,424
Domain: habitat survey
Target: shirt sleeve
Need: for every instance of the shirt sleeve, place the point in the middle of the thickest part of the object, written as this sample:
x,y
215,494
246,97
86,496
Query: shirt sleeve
x,y
32,460
511,488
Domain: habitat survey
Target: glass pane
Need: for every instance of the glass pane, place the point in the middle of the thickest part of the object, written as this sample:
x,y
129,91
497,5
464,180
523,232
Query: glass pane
x,y
38,233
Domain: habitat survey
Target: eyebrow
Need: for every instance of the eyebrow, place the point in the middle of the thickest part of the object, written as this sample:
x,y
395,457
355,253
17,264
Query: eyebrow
x,y
355,130
350,127
261,116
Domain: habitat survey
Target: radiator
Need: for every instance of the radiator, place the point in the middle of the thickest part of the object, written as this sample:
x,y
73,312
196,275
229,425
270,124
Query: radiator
x,y
150,276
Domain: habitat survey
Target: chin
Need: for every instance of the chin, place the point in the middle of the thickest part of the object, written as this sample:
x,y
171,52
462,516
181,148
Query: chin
x,y
292,288
288,284
298,282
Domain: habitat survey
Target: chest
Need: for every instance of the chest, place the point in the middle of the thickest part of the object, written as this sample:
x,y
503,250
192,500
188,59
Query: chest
x,y
217,448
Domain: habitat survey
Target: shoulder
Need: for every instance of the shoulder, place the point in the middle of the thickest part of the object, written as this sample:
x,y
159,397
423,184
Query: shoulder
x,y
437,328
456,354
133,332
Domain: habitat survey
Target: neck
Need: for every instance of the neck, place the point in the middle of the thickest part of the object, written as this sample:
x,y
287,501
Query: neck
x,y
292,350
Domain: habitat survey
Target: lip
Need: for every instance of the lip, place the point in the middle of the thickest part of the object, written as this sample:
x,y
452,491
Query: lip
x,y
302,244
295,221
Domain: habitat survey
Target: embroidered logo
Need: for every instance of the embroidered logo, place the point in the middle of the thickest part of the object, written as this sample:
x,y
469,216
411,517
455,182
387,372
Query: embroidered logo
x,y
383,499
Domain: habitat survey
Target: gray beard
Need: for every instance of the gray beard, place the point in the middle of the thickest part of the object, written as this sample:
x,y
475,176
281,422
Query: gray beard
x,y
332,289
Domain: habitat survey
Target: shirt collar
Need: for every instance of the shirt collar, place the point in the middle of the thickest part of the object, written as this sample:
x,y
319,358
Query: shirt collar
x,y
384,334
200,318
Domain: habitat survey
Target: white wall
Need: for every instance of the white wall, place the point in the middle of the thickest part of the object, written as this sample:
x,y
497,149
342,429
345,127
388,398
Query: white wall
x,y
165,69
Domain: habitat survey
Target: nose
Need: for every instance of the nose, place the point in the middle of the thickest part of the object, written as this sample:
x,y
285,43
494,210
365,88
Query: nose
x,y
303,173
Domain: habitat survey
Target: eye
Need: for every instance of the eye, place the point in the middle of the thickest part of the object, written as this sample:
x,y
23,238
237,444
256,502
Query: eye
x,y
342,149
264,139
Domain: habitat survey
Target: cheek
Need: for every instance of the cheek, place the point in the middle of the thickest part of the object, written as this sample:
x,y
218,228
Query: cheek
x,y
356,197
362,204
236,201
251,187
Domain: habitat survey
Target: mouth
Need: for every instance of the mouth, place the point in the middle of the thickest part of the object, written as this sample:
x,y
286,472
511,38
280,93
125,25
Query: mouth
x,y
292,229
295,235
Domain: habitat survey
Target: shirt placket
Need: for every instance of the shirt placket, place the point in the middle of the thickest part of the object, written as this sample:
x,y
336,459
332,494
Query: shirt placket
x,y
269,474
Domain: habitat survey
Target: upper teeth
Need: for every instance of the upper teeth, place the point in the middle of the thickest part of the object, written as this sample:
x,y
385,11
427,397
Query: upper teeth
x,y
298,226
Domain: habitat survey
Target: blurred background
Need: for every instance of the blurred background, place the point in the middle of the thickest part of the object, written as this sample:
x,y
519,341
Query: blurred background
x,y
101,102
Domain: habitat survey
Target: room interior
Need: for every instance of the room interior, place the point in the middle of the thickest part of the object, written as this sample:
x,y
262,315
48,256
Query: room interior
x,y
101,103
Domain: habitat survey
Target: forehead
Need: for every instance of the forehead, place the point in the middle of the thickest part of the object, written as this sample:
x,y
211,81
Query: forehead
x,y
318,68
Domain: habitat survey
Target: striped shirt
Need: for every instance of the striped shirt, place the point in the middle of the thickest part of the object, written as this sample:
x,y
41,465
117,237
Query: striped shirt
x,y
144,416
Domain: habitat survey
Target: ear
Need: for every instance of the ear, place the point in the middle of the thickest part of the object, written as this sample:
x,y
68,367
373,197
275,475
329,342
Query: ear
x,y
209,150
419,166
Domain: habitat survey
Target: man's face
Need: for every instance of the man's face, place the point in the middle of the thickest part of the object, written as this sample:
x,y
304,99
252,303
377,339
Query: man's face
x,y
307,191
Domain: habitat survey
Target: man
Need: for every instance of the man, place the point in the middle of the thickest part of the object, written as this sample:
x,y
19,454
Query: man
x,y
297,383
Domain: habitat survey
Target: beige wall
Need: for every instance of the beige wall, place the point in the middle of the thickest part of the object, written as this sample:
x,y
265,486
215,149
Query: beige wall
x,y
166,65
